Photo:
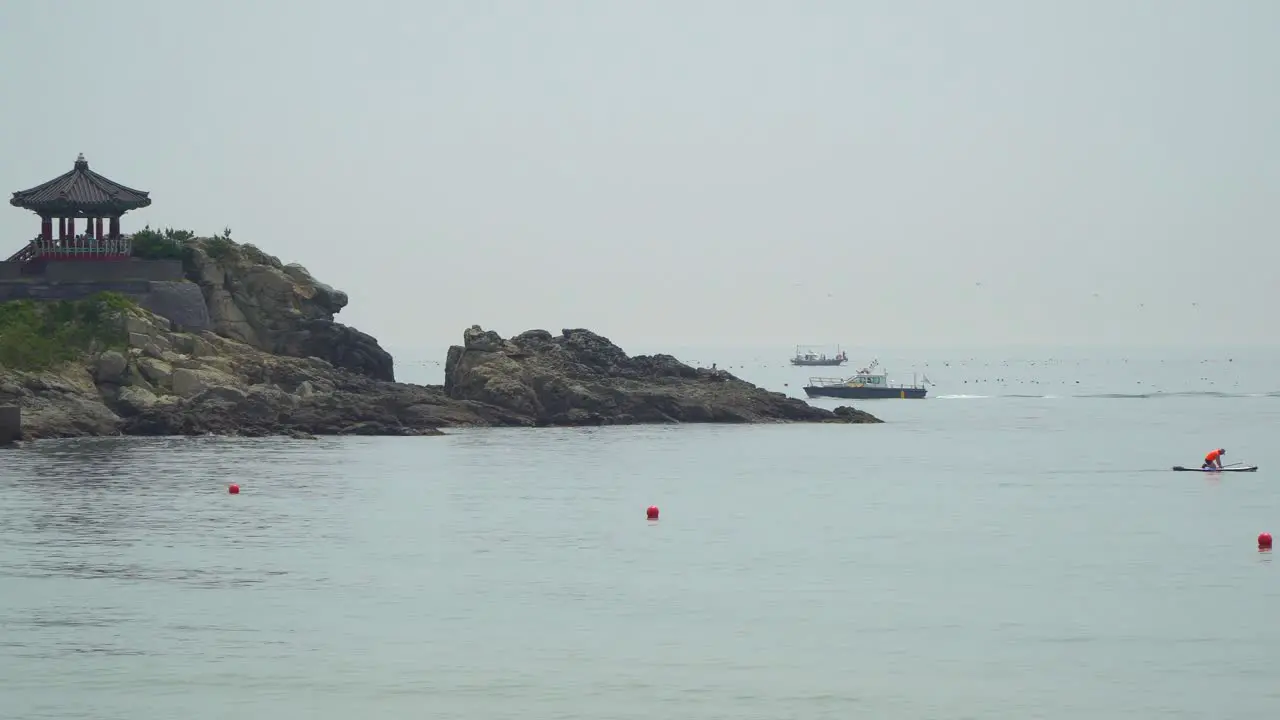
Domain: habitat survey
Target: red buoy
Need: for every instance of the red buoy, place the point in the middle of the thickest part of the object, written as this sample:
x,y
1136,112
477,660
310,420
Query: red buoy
x,y
234,489
652,512
1264,541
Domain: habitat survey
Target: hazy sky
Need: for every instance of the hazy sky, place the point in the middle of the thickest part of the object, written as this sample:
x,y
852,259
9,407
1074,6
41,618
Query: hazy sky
x,y
876,174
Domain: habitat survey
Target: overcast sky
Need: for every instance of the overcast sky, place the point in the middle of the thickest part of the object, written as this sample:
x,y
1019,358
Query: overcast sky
x,y
887,174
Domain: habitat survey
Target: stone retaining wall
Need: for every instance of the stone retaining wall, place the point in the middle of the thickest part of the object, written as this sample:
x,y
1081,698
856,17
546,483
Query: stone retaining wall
x,y
95,271
181,302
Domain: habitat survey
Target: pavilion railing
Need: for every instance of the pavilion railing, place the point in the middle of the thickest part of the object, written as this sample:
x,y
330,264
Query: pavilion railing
x,y
26,254
79,248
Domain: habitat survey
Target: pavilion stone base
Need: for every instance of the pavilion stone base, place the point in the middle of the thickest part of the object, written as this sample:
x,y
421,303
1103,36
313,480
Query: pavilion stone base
x,y
91,271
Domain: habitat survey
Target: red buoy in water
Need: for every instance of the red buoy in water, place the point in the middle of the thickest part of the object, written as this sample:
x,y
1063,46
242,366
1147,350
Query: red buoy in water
x,y
234,489
652,512
1264,541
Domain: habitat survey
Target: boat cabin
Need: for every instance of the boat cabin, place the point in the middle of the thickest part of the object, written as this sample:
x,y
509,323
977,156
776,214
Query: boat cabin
x,y
866,377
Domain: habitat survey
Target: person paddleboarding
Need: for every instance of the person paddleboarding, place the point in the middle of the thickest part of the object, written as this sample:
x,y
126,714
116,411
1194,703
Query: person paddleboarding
x,y
1213,459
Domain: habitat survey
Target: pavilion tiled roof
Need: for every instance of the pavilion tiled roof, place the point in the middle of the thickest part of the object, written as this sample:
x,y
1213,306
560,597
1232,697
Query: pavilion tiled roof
x,y
80,190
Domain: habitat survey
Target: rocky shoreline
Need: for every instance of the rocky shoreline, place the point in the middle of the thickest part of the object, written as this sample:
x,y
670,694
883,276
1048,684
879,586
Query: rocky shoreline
x,y
276,363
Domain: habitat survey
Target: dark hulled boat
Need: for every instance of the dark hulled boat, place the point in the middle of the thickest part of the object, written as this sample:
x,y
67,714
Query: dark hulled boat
x,y
866,385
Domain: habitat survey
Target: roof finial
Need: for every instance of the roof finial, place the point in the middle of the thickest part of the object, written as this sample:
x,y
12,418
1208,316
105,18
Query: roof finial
x,y
81,162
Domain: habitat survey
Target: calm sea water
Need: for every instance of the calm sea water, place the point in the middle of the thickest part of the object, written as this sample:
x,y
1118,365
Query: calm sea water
x,y
1013,547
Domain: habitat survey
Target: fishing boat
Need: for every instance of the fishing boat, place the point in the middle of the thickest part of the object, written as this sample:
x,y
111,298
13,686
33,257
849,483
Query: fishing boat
x,y
811,358
866,385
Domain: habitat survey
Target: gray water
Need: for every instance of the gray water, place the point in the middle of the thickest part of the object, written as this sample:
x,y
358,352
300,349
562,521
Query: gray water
x,y
974,557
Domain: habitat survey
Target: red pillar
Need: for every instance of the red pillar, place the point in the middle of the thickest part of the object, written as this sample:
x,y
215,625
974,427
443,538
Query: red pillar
x,y
98,230
46,228
115,227
62,228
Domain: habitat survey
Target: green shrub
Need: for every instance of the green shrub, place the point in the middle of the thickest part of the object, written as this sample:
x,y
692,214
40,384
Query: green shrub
x,y
218,248
38,335
167,244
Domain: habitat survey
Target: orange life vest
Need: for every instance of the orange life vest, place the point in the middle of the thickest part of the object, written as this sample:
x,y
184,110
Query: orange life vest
x,y
1213,455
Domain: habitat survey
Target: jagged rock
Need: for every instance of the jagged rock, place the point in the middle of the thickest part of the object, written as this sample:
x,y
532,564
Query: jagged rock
x,y
191,345
140,325
360,407
476,338
12,393
226,393
110,367
341,346
62,403
187,383
581,378
857,416
156,372
281,309
67,415
132,400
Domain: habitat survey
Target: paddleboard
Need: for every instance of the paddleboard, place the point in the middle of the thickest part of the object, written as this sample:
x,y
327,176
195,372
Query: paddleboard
x,y
1236,468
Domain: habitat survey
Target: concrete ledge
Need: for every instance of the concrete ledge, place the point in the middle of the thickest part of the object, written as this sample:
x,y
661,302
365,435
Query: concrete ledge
x,y
38,290
10,424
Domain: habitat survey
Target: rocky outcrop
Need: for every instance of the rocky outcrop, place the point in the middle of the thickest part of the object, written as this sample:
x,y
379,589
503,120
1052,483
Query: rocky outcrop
x,y
581,378
273,361
168,382
58,404
253,298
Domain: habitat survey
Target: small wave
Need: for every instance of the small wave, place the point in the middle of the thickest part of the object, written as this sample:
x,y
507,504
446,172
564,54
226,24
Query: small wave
x,y
1118,396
